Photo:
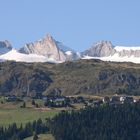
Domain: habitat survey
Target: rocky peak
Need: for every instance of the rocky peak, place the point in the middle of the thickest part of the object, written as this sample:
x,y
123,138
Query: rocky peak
x,y
48,37
50,48
100,49
5,46
46,47
103,44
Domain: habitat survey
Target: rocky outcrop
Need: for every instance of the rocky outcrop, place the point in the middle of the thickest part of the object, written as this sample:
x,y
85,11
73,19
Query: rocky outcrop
x,y
5,47
49,48
127,51
100,49
106,48
124,81
46,47
23,79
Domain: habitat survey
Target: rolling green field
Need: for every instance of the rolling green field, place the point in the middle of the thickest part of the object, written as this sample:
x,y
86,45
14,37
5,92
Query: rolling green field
x,y
18,115
11,112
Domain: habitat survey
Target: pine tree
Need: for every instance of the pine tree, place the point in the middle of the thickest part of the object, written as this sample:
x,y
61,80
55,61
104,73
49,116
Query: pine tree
x,y
24,105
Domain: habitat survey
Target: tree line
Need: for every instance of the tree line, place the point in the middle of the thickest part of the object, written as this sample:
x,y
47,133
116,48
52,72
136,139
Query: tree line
x,y
19,133
106,122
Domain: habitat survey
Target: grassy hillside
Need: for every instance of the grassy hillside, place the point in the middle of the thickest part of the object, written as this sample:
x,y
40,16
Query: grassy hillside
x,y
9,116
93,77
11,112
96,77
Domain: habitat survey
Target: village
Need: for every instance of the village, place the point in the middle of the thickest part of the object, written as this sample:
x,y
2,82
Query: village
x,y
59,101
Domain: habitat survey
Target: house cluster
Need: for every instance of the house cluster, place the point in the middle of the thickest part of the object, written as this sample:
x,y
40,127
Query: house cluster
x,y
63,101
114,100
55,101
118,99
68,101
12,98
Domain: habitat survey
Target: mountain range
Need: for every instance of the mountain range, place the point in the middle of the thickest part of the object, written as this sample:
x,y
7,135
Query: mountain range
x,y
48,49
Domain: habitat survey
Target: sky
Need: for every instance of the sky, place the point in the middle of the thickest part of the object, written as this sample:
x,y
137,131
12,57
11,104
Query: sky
x,y
76,23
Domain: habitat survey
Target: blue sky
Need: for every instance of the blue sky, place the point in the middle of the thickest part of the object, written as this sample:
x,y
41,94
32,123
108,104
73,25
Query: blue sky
x,y
76,23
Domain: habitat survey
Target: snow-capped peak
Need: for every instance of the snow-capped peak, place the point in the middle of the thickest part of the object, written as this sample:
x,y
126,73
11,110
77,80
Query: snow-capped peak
x,y
108,52
48,49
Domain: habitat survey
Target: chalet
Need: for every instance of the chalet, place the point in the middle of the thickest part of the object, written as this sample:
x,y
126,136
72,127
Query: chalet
x,y
59,101
106,99
126,99
115,100
55,101
11,99
95,103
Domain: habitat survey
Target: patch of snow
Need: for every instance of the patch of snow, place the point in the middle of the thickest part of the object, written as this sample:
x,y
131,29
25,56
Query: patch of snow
x,y
88,57
68,53
19,57
121,48
116,58
78,54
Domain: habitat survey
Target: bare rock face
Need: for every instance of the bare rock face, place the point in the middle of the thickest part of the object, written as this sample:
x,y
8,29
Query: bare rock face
x,y
5,47
46,47
49,48
100,49
128,53
105,49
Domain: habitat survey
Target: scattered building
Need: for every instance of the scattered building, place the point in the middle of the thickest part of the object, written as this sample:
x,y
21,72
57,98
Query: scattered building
x,y
11,99
115,99
62,101
126,99
106,99
59,101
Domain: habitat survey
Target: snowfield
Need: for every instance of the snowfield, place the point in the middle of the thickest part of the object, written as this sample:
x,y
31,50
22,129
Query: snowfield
x,y
121,48
14,55
116,58
19,57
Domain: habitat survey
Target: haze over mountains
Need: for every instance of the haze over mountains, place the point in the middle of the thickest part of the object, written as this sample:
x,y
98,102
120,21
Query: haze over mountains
x,y
50,50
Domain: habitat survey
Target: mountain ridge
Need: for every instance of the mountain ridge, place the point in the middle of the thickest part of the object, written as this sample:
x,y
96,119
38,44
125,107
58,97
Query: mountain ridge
x,y
90,77
48,49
